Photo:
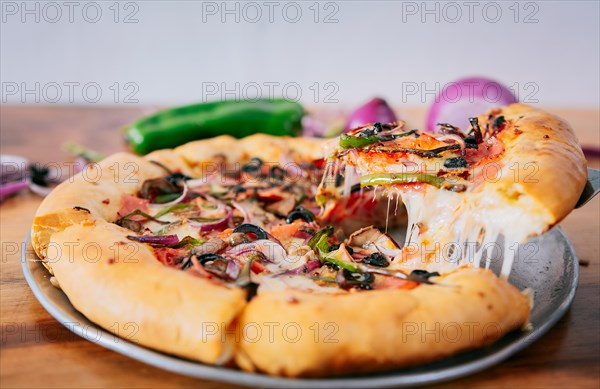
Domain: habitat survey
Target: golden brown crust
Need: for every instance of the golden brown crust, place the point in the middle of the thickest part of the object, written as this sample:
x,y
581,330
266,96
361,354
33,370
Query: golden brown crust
x,y
268,148
98,189
313,335
543,160
119,285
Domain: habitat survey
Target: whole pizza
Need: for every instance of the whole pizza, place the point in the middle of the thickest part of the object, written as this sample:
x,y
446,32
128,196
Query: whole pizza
x,y
271,254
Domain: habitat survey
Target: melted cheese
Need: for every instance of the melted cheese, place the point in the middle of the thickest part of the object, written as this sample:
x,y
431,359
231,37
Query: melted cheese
x,y
446,229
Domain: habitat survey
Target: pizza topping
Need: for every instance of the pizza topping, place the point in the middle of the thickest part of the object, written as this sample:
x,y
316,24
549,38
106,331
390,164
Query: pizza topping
x,y
400,178
166,240
252,229
306,268
173,208
219,266
169,256
449,129
376,259
455,163
312,242
212,246
208,225
300,212
131,203
456,188
347,279
237,238
419,275
131,217
187,241
476,130
155,187
367,137
130,224
498,122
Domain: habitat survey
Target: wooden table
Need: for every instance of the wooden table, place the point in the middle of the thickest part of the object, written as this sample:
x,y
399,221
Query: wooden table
x,y
37,351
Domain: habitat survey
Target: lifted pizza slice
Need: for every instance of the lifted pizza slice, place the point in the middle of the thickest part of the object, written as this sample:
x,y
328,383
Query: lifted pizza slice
x,y
517,172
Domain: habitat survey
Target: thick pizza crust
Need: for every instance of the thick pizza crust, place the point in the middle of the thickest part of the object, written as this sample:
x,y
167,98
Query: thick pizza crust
x,y
98,189
119,285
272,150
542,162
313,335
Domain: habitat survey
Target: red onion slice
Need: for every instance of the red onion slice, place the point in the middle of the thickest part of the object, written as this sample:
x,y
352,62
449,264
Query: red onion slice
x,y
233,269
11,188
375,110
306,268
243,211
166,240
273,251
179,199
210,226
466,98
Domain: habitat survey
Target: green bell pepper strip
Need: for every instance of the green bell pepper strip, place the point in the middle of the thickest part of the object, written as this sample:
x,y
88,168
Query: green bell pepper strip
x,y
327,231
322,247
165,198
357,142
176,126
187,241
351,142
172,208
140,213
400,178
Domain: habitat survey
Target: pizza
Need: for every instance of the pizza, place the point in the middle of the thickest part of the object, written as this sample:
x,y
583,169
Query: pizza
x,y
264,253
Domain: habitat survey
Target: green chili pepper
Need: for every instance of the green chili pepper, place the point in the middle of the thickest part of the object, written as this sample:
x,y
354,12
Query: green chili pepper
x,y
176,126
172,208
400,178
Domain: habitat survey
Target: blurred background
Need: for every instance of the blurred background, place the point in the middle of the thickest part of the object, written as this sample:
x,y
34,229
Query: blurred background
x,y
316,52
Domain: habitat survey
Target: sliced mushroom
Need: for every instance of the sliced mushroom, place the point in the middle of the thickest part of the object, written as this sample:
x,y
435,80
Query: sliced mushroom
x,y
371,238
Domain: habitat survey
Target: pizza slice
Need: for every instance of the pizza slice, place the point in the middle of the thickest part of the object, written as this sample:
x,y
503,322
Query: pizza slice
x,y
517,172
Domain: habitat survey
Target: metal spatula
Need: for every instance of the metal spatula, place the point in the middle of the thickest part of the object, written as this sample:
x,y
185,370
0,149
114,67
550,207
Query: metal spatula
x,y
592,187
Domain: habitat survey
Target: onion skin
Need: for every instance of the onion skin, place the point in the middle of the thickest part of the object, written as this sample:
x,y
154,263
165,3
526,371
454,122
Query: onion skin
x,y
467,97
375,110
11,188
